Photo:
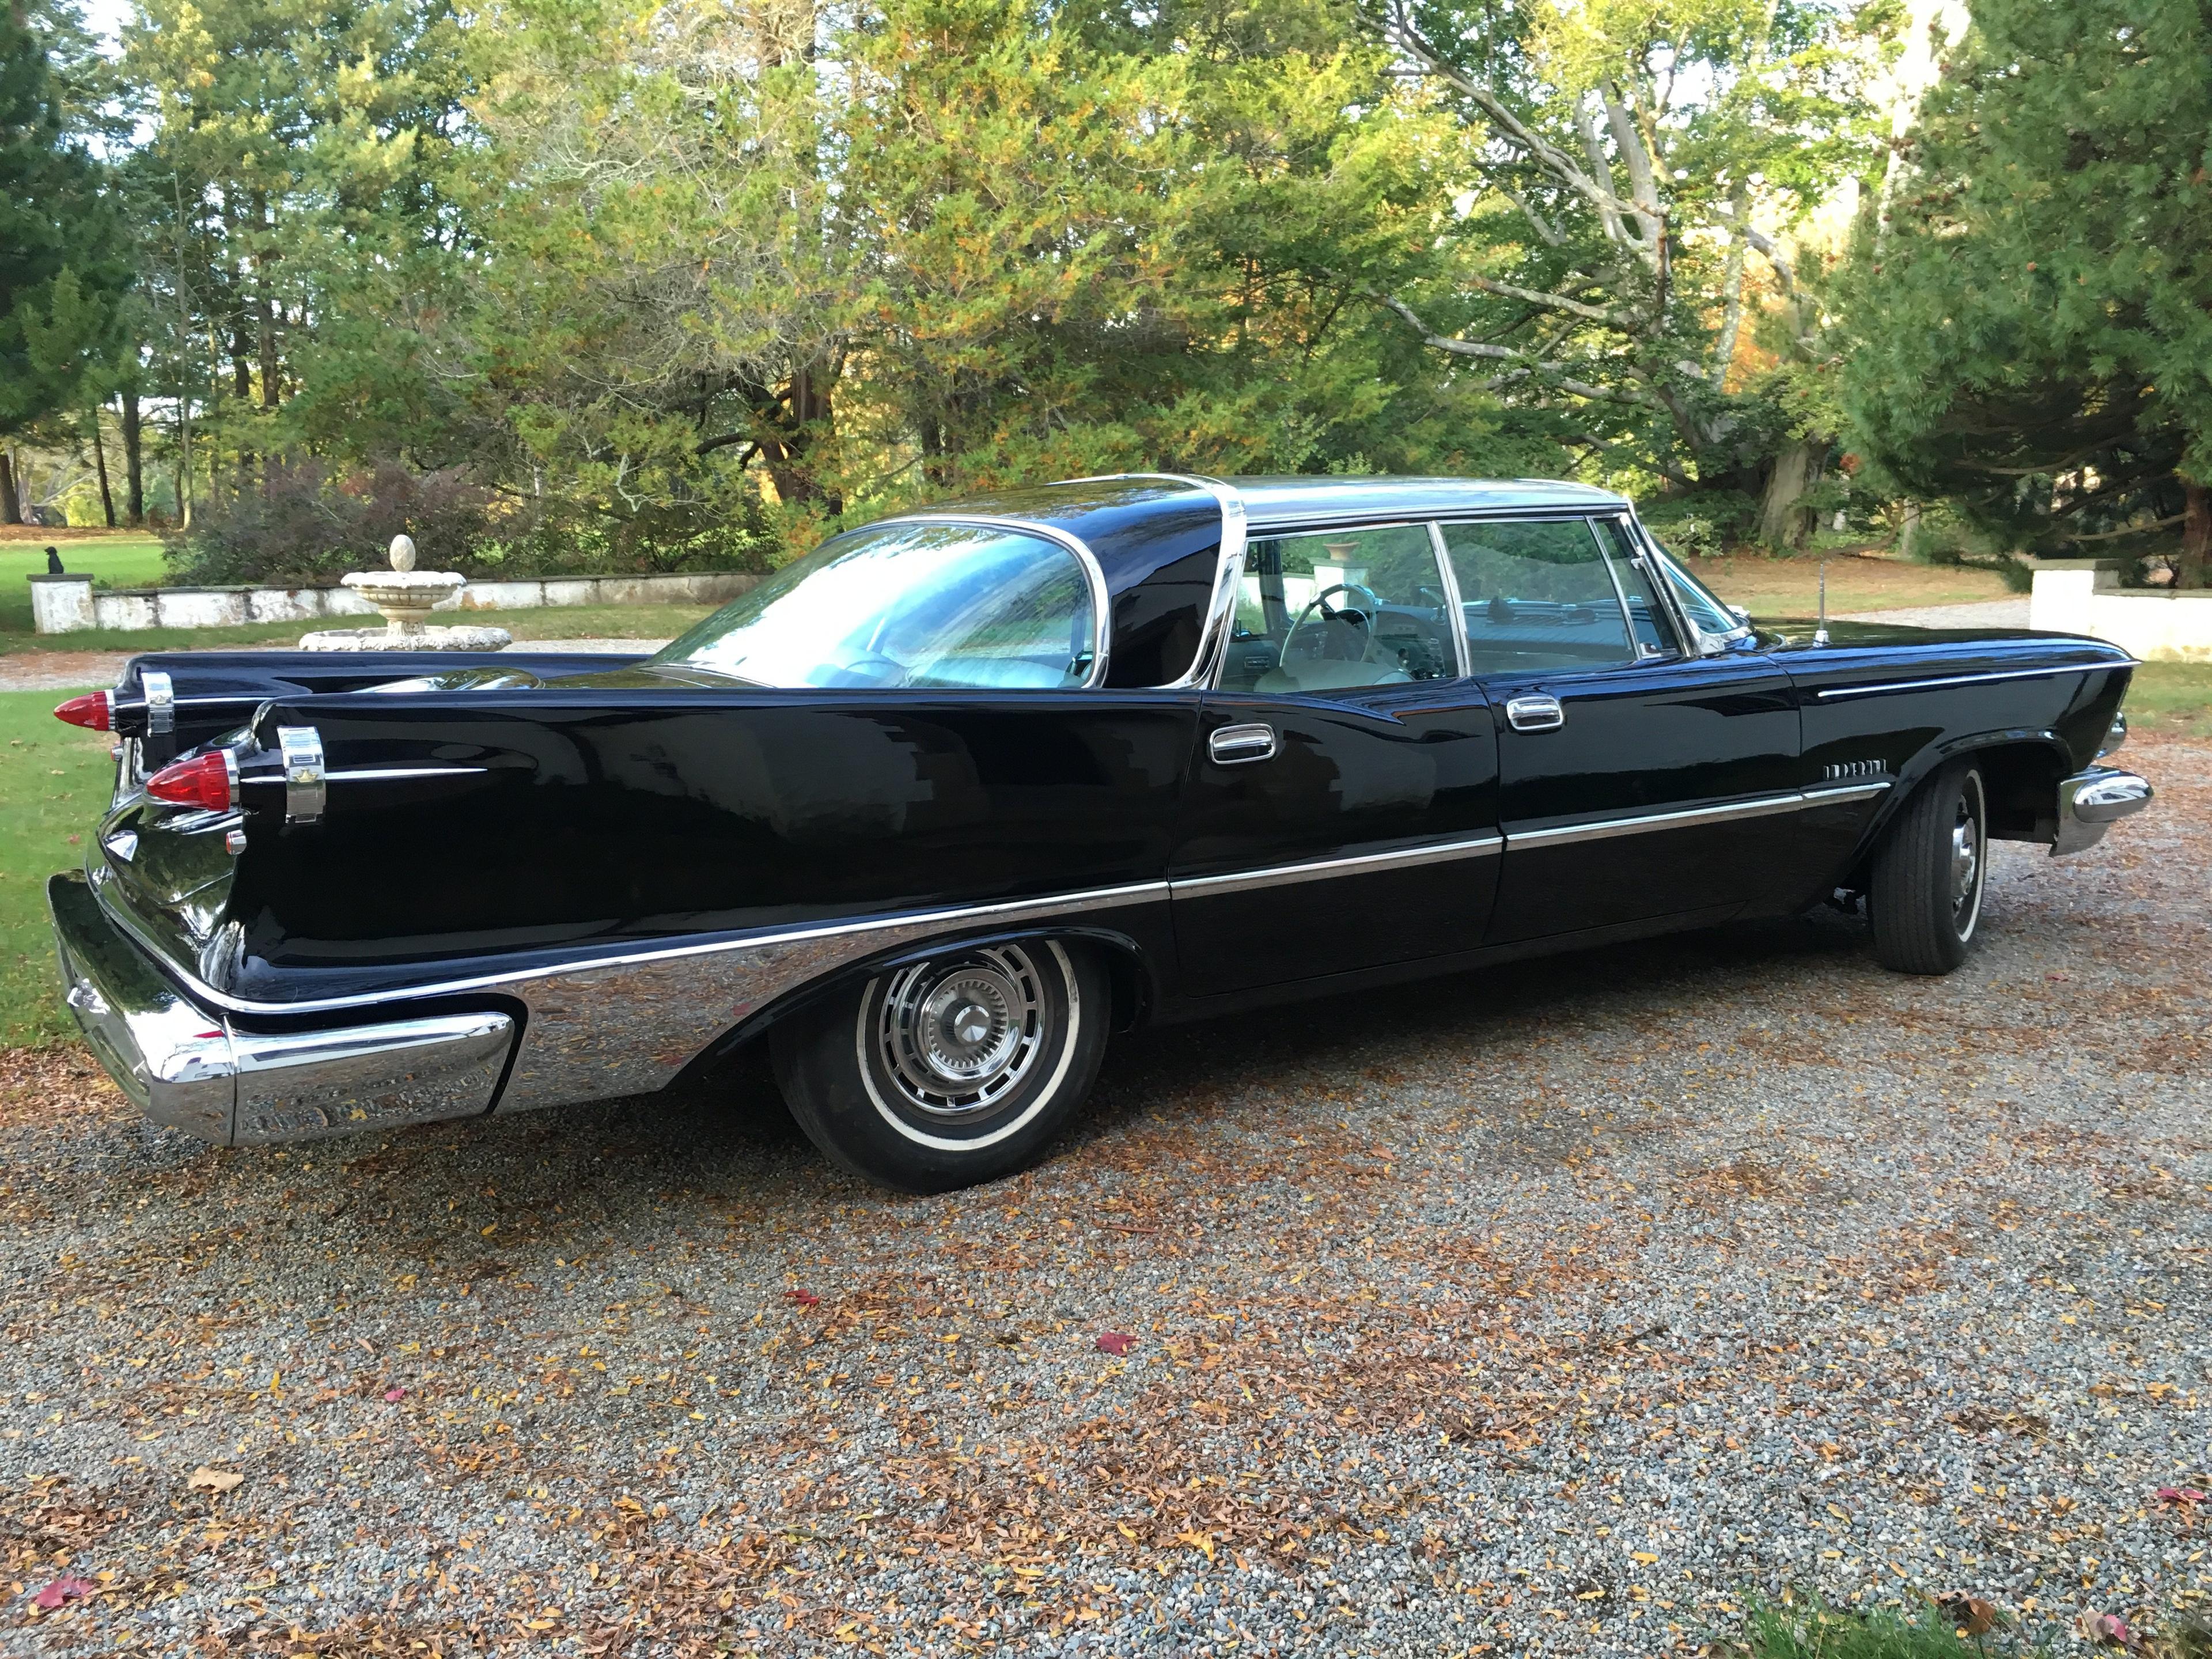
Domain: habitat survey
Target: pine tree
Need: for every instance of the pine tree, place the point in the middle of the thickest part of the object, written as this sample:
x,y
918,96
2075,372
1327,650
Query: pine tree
x,y
63,264
2028,335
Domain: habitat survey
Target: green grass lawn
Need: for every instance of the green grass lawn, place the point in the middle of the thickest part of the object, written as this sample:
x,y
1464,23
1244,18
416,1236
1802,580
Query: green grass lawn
x,y
1779,587
118,561
54,783
2172,698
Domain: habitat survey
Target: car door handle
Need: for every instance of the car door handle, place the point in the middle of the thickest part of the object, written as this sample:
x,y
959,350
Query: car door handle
x,y
1234,746
1540,713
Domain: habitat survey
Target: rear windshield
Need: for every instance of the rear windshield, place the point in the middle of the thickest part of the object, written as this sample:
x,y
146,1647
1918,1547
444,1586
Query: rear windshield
x,y
912,604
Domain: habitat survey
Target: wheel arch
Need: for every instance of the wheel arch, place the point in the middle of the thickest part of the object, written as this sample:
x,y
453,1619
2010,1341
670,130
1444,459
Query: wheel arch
x,y
2020,772
1130,970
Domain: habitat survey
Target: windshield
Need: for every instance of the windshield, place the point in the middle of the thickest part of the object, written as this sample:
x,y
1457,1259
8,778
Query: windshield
x,y
908,605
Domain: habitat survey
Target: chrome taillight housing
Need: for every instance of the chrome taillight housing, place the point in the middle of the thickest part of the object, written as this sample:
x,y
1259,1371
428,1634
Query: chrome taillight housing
x,y
208,780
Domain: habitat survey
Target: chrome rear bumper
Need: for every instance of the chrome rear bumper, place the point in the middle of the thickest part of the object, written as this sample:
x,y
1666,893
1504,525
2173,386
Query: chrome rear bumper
x,y
2090,803
197,1071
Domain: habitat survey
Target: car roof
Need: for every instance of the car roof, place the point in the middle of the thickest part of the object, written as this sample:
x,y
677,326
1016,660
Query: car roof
x,y
1275,501
1136,522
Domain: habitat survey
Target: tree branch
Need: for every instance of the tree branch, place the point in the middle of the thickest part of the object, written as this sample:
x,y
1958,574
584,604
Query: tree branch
x,y
710,444
1552,302
1740,226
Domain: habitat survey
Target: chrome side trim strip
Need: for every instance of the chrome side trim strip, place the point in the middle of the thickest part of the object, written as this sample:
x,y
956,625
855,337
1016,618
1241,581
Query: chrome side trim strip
x,y
379,774
1405,857
1607,829
1846,791
1007,911
1093,572
1842,691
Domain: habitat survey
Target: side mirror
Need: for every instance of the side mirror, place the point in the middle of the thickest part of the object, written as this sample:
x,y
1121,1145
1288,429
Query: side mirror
x,y
1740,614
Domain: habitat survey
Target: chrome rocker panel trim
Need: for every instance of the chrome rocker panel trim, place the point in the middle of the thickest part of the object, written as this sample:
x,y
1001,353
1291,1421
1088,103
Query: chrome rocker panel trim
x,y
198,1073
2092,802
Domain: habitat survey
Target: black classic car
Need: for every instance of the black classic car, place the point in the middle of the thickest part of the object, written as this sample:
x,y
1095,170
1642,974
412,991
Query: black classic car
x,y
934,810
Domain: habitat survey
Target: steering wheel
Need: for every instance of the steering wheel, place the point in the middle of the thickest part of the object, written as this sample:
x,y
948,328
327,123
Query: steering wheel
x,y
1356,624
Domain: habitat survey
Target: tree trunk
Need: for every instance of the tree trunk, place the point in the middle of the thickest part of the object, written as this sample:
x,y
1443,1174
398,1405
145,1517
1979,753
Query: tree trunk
x,y
11,506
1782,521
2194,568
134,460
184,462
1908,533
100,461
810,411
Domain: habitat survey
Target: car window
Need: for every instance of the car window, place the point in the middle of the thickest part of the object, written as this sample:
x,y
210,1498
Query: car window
x,y
1647,613
1707,614
914,604
1536,595
1340,608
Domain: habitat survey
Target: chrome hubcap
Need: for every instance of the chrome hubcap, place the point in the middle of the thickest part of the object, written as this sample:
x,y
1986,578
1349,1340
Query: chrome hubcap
x,y
1966,848
956,1037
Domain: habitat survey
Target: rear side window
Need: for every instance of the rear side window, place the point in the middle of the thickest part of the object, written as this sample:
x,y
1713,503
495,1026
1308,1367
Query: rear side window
x,y
908,605
1536,596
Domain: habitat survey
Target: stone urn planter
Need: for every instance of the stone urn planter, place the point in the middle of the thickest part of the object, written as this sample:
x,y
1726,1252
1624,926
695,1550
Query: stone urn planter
x,y
406,596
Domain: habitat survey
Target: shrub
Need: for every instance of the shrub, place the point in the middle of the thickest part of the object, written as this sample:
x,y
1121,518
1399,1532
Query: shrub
x,y
1702,525
300,524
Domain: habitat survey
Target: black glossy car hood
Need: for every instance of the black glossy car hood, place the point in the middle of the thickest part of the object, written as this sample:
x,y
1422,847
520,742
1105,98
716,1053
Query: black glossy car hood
x,y
1796,634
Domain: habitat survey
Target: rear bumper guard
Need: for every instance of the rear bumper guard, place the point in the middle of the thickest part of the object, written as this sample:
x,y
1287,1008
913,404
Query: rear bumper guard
x,y
195,1071
2092,802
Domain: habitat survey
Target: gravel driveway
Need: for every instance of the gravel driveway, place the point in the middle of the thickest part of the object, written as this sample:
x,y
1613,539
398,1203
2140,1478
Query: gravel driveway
x,y
1556,1307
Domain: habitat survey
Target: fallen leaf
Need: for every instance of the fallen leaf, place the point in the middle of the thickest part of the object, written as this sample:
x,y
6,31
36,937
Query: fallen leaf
x,y
2107,1629
62,1589
804,1298
2180,1495
1968,1612
214,1480
1116,1343
393,1396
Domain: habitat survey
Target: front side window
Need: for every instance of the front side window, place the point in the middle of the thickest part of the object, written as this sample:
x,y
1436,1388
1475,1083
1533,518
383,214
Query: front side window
x,y
1537,596
914,604
1340,608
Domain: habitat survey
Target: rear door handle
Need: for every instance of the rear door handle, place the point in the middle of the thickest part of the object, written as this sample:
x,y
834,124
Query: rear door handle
x,y
1538,712
1234,746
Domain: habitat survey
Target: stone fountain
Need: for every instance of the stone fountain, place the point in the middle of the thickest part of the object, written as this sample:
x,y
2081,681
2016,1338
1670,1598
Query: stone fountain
x,y
406,596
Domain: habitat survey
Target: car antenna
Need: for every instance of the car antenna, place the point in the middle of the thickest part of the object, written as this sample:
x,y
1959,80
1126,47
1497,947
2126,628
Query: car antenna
x,y
1821,633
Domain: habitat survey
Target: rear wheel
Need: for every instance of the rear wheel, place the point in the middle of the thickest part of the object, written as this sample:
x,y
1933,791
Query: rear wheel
x,y
1930,872
950,1072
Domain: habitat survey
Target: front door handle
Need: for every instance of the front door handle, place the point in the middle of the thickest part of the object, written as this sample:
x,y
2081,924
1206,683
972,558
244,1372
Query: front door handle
x,y
1234,746
1539,712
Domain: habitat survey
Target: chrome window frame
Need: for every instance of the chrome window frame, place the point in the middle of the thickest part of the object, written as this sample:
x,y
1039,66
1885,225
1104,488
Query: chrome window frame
x,y
1102,617
1688,641
1588,517
1436,551
1707,644
1205,663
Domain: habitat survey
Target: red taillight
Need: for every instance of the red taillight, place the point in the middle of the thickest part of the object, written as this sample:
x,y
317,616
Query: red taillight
x,y
210,780
94,708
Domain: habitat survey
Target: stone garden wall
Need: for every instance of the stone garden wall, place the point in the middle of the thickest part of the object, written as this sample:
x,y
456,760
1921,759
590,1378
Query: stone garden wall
x,y
2084,596
69,605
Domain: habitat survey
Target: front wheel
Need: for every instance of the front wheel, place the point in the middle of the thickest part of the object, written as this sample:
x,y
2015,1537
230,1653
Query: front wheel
x,y
950,1072
1928,873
